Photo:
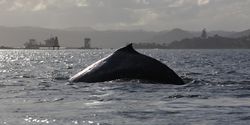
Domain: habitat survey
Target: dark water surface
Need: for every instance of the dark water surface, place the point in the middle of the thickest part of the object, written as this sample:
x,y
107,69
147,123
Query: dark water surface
x,y
35,91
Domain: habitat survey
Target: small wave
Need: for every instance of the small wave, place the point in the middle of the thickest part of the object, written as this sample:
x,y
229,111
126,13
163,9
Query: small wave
x,y
61,78
187,79
231,72
233,82
44,84
178,96
145,114
131,81
60,75
245,118
57,99
143,81
196,82
27,76
49,100
243,96
193,73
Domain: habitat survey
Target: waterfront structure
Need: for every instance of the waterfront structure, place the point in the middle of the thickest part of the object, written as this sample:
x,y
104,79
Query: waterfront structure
x,y
32,44
52,42
87,44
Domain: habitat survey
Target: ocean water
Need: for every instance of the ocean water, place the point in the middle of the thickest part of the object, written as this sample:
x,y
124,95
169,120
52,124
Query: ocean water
x,y
34,90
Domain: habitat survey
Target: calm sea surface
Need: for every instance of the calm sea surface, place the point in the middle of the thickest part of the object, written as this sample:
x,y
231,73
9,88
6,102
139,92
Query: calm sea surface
x,y
34,90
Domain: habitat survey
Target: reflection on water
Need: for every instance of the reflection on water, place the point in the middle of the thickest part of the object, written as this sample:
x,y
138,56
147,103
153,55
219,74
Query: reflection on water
x,y
34,90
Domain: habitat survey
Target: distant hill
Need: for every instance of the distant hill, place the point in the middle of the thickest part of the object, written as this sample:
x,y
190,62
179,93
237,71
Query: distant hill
x,y
215,42
170,36
241,34
85,29
74,36
221,33
177,34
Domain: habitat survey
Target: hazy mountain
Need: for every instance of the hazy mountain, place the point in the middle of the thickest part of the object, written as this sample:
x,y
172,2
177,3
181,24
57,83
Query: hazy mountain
x,y
212,33
16,37
221,33
170,36
241,34
74,36
85,29
215,42
231,34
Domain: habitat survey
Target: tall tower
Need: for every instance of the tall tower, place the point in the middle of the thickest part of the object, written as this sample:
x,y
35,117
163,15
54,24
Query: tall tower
x,y
204,33
87,43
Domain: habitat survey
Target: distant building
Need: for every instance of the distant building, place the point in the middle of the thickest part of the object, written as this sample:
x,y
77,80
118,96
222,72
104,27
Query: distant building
x,y
87,43
31,44
52,42
204,34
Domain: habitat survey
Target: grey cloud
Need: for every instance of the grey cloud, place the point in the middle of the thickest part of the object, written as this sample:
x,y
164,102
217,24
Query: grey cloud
x,y
128,14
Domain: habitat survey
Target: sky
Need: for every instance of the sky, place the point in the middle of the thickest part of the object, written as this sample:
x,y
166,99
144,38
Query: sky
x,y
151,15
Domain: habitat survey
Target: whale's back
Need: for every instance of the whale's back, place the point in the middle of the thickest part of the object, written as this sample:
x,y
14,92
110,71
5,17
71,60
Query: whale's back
x,y
126,63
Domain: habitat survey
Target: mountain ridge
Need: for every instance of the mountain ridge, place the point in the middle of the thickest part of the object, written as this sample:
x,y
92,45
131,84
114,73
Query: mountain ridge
x,y
74,37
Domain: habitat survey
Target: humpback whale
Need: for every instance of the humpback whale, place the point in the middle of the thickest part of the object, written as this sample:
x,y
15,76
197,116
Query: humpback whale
x,y
127,63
